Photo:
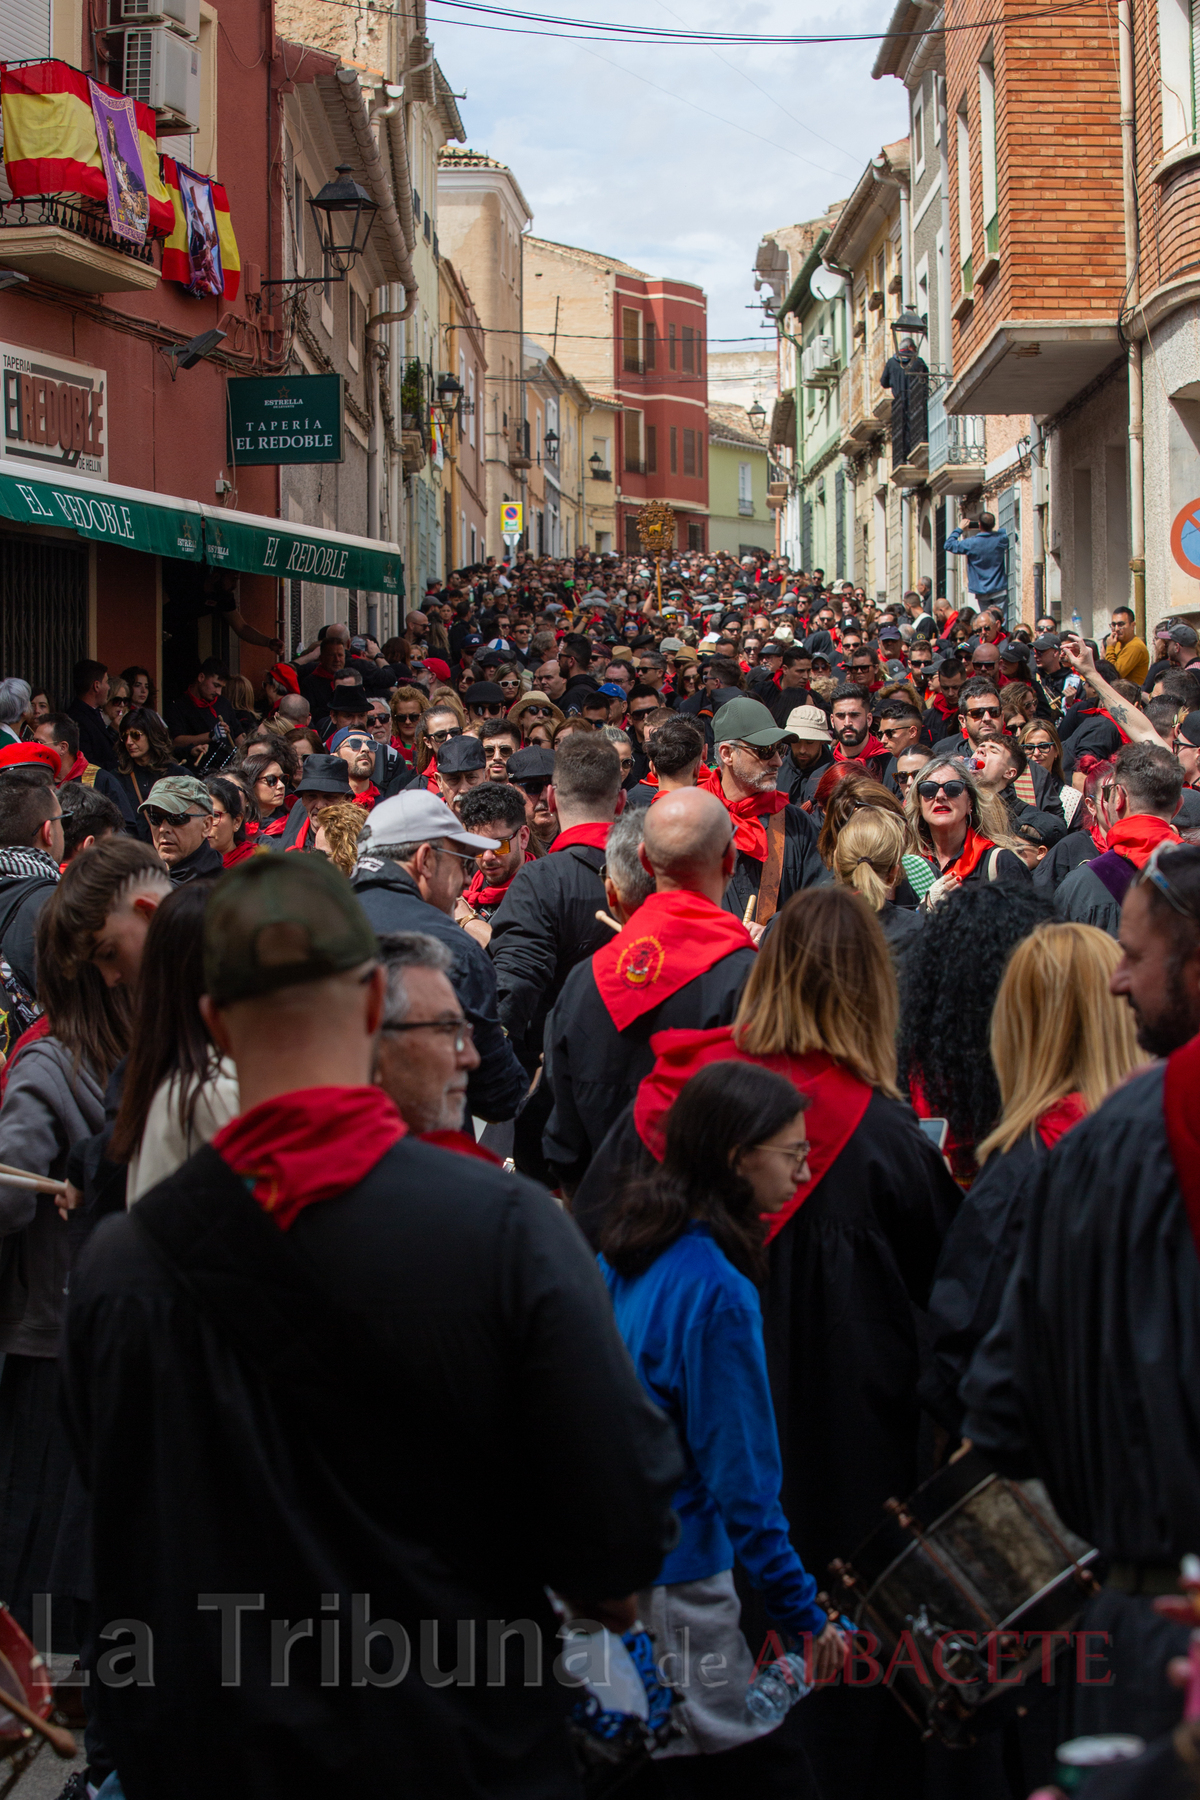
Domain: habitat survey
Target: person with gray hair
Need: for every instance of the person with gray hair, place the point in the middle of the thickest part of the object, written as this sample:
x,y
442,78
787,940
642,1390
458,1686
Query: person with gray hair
x,y
16,696
426,1044
679,961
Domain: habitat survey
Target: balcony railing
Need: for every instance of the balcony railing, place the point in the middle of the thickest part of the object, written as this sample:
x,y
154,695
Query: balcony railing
x,y
955,439
80,217
745,509
633,364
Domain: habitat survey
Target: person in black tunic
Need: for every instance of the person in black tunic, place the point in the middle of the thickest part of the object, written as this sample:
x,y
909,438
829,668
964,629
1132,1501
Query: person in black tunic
x,y
851,1264
1060,1042
346,1381
1091,1374
680,961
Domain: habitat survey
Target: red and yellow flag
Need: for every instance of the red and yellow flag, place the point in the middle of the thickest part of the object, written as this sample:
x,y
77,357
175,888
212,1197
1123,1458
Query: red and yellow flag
x,y
50,144
178,261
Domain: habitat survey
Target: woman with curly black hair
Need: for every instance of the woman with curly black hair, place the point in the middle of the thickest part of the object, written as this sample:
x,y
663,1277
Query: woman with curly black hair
x,y
948,982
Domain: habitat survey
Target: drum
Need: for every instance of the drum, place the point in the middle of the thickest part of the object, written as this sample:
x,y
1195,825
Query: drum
x,y
959,1584
24,1675
623,1712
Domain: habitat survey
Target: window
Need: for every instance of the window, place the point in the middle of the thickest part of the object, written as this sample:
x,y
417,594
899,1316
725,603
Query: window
x,y
689,450
699,453
652,449
987,152
298,218
650,343
671,346
470,410
695,537
674,442
631,340
918,134
746,489
964,200
633,443
24,30
600,449
353,325
1178,50
689,350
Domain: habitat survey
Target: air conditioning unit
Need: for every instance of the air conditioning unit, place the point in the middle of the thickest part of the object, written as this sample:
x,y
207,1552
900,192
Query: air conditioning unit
x,y
822,353
162,70
180,15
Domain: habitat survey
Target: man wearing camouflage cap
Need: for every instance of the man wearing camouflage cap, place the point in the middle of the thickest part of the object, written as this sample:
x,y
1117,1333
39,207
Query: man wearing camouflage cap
x,y
179,810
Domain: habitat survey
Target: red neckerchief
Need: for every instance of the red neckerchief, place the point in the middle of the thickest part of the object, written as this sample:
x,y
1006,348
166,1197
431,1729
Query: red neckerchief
x,y
1183,1135
1099,838
309,1145
839,1098
1058,1119
750,834
873,747
478,892
238,854
1137,838
274,827
1091,712
302,835
669,941
975,848
594,834
76,769
404,751
462,1143
947,708
368,797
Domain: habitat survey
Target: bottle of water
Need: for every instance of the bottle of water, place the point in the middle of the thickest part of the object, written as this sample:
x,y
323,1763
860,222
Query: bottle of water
x,y
1077,623
777,1687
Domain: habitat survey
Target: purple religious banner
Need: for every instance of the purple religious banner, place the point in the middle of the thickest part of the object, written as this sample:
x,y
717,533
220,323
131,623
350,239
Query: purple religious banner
x,y
203,244
121,160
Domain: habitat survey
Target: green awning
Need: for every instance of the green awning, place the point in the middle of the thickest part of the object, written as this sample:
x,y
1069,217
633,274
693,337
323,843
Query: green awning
x,y
162,525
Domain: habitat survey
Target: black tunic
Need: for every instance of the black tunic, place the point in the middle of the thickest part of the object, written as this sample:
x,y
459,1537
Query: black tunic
x,y
593,1070
416,1396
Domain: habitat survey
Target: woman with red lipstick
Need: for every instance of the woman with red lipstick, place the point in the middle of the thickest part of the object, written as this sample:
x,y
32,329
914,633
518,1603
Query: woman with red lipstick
x,y
961,830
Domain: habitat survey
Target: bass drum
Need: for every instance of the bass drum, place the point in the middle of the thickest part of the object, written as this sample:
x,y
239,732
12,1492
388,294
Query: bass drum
x,y
959,1584
24,1675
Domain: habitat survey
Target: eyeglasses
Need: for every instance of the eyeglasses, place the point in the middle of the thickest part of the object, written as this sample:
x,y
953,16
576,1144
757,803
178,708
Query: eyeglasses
x,y
1040,749
501,847
903,780
891,731
156,817
406,719
764,752
929,790
461,1030
647,712
442,737
355,743
271,781
983,712
488,709
1152,871
463,856
795,1153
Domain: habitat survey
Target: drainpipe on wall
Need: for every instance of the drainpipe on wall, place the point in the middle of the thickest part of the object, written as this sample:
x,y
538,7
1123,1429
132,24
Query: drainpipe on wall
x,y
1137,490
945,323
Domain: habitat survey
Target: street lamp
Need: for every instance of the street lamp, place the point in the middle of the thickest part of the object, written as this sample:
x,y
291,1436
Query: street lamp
x,y
346,202
910,324
596,465
449,398
551,441
757,415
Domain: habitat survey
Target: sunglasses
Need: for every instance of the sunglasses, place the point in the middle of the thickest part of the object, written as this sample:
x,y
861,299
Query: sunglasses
x,y
929,790
156,817
984,662
1040,749
490,709
355,743
983,712
407,719
647,712
500,848
535,787
441,737
764,752
271,781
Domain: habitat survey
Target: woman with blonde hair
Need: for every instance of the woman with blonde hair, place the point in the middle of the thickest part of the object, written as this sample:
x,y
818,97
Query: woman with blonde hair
x,y
962,831
850,1257
1060,1042
338,830
867,857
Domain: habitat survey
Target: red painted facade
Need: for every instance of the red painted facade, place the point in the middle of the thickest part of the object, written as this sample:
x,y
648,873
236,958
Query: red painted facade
x,y
660,377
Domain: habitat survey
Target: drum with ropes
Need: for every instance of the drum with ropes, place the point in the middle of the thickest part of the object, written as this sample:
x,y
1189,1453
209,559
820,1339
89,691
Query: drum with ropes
x,y
26,1702
962,1586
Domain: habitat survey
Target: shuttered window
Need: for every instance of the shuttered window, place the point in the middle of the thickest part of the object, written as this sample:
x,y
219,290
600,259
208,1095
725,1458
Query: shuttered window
x,y
24,29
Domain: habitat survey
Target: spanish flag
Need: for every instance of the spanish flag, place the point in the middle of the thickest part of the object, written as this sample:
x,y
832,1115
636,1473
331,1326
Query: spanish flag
x,y
176,259
50,144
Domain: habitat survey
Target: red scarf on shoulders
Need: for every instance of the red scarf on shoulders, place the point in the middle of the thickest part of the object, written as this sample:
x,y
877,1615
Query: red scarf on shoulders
x,y
750,834
975,848
309,1145
1138,837
874,747
75,772
478,893
239,853
1091,712
368,797
669,941
463,1144
1058,1119
595,834
273,827
838,1099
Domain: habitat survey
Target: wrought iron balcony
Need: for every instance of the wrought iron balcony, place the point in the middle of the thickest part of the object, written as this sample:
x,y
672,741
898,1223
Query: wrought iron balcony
x,y
71,243
957,447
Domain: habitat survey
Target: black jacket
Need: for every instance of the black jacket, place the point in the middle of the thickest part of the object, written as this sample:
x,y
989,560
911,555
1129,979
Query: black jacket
x,y
389,1404
801,784
392,902
95,739
802,865
28,877
545,924
593,1070
1069,853
203,862
1082,898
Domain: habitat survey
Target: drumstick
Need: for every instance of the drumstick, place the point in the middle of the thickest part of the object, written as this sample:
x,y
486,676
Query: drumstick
x,y
748,915
607,919
45,1184
62,1741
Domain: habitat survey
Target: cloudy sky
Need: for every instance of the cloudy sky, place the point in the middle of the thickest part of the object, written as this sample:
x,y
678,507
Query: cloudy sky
x,y
677,158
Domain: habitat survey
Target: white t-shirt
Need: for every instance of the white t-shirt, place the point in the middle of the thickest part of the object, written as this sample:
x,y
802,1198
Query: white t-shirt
x,y
165,1145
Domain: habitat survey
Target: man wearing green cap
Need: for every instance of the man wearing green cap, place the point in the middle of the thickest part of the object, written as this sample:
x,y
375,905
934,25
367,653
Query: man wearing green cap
x,y
346,1404
776,842
179,810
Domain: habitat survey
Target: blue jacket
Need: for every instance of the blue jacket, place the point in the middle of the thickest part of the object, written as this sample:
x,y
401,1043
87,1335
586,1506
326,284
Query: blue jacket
x,y
987,559
693,1327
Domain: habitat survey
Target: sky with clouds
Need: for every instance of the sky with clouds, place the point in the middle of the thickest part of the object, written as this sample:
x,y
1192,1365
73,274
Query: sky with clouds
x,y
677,158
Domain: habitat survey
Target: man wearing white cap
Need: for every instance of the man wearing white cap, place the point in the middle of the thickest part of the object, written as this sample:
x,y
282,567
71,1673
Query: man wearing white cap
x,y
809,756
414,859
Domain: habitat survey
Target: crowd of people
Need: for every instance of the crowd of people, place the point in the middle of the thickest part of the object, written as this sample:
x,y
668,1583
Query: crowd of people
x,y
565,1116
